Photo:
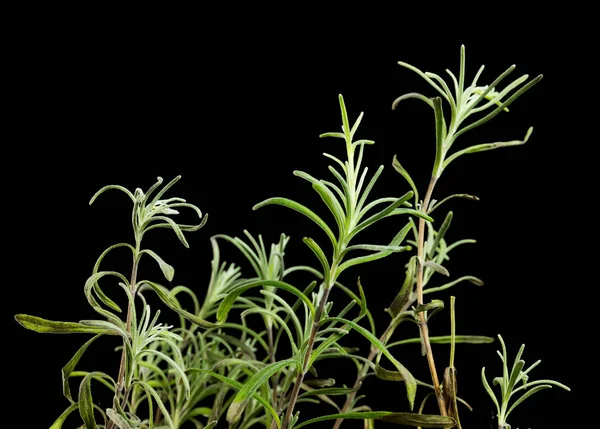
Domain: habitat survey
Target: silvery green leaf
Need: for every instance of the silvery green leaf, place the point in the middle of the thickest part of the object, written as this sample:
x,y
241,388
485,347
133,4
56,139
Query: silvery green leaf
x,y
432,206
173,306
400,169
412,95
251,386
301,209
154,395
118,419
470,279
167,270
228,301
117,187
437,268
487,146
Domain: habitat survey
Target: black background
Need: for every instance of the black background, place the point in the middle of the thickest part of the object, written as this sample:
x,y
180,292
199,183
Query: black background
x,y
235,104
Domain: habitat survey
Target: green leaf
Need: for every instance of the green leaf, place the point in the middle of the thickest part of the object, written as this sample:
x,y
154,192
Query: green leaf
x,y
61,419
437,268
312,244
488,389
432,207
440,134
117,187
487,146
434,306
171,224
237,385
301,209
377,216
345,121
70,367
167,270
178,368
152,393
446,339
404,295
501,107
412,95
118,419
368,189
440,234
251,386
86,404
382,254
471,279
176,308
44,326
527,395
408,419
327,196
400,169
230,298
409,380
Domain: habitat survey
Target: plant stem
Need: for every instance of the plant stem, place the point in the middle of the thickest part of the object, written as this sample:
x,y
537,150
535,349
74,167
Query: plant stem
x,y
422,324
309,348
422,320
122,365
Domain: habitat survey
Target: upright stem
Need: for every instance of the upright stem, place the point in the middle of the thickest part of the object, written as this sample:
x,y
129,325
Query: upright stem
x,y
422,320
123,364
300,377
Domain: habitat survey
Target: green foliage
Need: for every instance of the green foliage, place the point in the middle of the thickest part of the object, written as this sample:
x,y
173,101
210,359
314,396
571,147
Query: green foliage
x,y
221,363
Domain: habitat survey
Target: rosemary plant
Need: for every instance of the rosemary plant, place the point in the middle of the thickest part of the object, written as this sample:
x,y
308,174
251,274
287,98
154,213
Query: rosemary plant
x,y
252,350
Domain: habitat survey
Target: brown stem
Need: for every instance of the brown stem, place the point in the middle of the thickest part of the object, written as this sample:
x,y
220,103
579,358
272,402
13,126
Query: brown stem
x,y
300,377
422,321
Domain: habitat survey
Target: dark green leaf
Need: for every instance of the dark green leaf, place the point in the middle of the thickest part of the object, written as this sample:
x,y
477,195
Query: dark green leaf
x,y
61,419
409,419
86,404
404,295
70,367
409,380
440,234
